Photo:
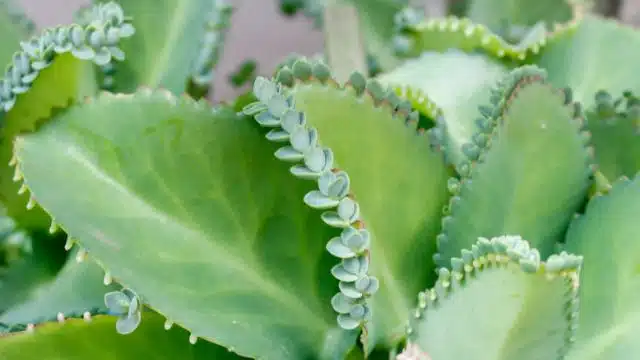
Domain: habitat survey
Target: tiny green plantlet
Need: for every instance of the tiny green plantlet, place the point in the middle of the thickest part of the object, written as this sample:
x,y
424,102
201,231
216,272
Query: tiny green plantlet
x,y
477,198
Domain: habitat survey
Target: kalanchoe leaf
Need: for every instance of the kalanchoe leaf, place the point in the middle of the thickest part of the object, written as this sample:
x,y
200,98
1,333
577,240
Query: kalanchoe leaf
x,y
518,119
52,59
595,44
126,305
461,33
346,321
178,44
348,210
458,83
341,303
500,16
380,118
609,308
614,125
126,325
511,291
117,302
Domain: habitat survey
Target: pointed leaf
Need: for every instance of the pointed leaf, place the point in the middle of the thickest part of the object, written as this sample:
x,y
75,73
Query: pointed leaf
x,y
386,160
497,309
607,236
96,339
529,175
212,231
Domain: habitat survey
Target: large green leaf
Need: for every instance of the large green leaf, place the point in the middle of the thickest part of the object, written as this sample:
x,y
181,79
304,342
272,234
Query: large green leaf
x,y
499,301
14,27
607,236
191,210
398,181
76,288
588,59
175,42
51,70
529,140
499,15
77,339
458,83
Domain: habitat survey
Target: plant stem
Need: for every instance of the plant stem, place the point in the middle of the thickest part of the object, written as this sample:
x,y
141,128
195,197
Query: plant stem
x,y
344,43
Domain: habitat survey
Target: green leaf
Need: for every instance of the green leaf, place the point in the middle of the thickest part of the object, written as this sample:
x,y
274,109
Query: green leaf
x,y
57,59
27,275
587,59
607,236
499,15
95,339
14,27
500,302
190,209
429,111
398,181
615,128
457,83
76,288
175,40
526,170
416,37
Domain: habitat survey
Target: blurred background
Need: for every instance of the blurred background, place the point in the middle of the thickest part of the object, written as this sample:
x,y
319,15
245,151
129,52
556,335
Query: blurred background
x,y
260,32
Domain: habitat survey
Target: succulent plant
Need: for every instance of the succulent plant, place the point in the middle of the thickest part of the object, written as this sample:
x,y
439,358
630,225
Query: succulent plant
x,y
476,200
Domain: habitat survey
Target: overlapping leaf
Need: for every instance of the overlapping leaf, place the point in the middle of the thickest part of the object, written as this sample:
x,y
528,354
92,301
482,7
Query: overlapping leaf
x,y
599,54
50,71
396,178
529,140
457,83
77,288
614,125
176,42
191,210
607,235
499,301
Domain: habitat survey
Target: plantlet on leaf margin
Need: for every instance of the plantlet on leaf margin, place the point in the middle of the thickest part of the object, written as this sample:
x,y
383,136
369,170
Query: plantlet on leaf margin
x,y
276,110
